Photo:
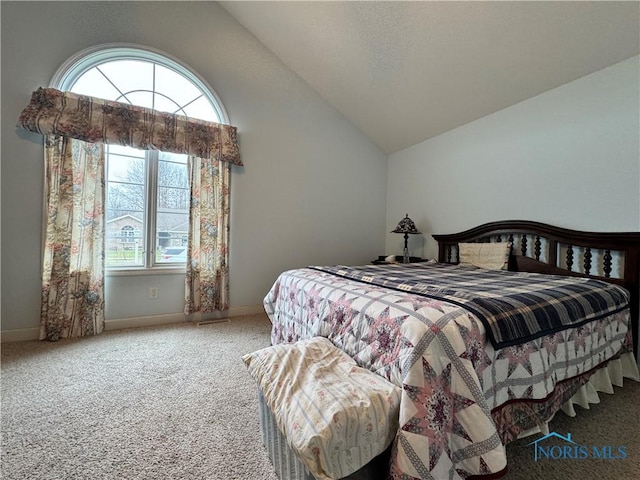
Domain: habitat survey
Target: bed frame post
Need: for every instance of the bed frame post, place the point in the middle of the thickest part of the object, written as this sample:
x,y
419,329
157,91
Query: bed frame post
x,y
632,272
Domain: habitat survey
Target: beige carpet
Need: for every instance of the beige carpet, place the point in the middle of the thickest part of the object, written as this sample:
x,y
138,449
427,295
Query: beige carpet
x,y
176,402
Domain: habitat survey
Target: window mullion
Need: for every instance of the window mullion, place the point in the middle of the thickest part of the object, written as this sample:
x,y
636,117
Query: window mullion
x,y
151,210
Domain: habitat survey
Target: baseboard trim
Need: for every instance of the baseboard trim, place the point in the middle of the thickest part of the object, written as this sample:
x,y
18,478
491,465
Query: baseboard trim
x,y
20,335
26,334
148,321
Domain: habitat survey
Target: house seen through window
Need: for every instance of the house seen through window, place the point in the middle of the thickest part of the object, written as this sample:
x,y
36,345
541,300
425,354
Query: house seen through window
x,y
147,203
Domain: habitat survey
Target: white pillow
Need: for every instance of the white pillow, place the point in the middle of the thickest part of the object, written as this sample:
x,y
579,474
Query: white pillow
x,y
492,256
335,415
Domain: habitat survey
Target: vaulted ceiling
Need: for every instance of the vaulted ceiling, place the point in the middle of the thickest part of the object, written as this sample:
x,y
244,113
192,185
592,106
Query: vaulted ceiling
x,y
404,72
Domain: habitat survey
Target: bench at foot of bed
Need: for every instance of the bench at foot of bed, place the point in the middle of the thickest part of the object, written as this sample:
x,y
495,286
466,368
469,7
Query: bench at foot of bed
x,y
287,464
322,416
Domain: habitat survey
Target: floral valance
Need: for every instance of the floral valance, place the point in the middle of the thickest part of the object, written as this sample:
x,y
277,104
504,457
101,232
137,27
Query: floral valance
x,y
97,120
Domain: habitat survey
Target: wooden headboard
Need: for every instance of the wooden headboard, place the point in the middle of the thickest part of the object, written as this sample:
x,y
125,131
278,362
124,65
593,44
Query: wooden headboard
x,y
542,248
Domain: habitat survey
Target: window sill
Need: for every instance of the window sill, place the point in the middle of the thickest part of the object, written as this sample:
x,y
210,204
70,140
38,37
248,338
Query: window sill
x,y
132,272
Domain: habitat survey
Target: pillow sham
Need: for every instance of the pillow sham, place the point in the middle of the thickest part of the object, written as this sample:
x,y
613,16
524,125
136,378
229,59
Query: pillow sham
x,y
492,256
335,415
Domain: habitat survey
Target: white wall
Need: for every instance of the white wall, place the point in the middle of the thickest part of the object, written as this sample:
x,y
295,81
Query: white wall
x,y
312,190
568,157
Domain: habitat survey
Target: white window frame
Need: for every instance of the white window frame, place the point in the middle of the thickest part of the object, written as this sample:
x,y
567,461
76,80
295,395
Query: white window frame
x,y
66,76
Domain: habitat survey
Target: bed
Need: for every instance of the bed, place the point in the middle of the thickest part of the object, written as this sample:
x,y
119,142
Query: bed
x,y
471,383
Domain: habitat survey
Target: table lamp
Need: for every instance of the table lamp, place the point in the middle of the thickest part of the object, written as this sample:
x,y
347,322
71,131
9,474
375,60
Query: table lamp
x,y
407,227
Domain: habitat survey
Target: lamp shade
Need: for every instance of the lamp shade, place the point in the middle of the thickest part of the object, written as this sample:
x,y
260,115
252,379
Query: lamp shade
x,y
406,225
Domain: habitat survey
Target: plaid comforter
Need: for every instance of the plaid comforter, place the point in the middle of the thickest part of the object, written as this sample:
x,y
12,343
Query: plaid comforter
x,y
514,307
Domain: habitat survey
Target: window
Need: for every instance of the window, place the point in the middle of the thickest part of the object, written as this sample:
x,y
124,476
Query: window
x,y
147,204
128,233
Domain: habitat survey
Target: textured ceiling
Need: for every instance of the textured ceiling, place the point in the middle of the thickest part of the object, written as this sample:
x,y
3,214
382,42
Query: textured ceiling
x,y
404,72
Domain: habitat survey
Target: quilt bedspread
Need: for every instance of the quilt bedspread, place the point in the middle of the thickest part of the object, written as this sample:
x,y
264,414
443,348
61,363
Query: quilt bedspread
x,y
513,306
454,383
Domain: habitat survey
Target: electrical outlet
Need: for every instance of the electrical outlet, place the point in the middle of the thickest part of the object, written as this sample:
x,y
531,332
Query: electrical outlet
x,y
153,292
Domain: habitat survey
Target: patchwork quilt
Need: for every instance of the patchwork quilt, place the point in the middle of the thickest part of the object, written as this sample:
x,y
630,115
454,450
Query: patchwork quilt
x,y
458,391
513,306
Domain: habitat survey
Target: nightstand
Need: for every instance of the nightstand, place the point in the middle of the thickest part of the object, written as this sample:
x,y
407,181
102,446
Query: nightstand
x,y
381,260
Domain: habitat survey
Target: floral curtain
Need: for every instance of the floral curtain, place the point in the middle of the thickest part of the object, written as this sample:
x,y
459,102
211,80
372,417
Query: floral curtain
x,y
95,120
73,263
207,284
73,298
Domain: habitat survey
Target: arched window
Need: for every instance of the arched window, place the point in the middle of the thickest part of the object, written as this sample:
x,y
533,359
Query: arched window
x,y
149,186
127,233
